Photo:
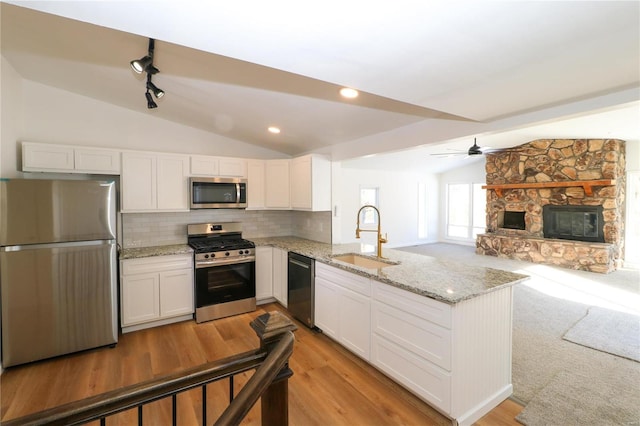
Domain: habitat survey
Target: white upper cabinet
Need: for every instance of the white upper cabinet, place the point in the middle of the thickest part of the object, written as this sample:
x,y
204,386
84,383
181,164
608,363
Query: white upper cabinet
x,y
39,157
311,183
277,193
232,167
173,182
255,184
96,160
202,165
302,183
154,182
138,183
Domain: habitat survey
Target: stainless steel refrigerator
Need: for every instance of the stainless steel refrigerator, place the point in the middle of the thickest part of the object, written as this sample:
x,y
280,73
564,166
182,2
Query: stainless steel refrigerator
x,y
58,279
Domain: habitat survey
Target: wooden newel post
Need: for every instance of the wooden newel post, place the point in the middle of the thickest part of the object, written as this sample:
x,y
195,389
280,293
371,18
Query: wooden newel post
x,y
275,400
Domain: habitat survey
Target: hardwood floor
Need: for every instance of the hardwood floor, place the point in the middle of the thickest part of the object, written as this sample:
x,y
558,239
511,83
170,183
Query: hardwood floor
x,y
330,386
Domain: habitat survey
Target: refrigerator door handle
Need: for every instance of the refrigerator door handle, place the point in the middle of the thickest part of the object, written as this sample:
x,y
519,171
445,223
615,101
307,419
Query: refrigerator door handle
x,y
56,245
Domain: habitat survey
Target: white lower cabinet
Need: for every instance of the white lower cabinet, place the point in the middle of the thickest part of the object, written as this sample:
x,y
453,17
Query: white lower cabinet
x,y
408,346
271,275
156,290
280,275
420,376
457,358
326,306
264,274
342,308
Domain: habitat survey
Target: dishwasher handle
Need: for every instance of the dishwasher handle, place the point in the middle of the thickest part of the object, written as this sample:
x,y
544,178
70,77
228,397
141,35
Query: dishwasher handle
x,y
298,263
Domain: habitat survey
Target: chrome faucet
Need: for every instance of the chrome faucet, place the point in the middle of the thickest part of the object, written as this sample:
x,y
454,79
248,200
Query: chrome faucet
x,y
381,239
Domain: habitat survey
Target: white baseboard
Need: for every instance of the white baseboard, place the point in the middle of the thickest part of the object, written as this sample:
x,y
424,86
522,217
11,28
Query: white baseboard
x,y
477,412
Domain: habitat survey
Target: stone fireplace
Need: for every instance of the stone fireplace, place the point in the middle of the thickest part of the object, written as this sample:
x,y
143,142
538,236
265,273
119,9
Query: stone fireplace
x,y
557,201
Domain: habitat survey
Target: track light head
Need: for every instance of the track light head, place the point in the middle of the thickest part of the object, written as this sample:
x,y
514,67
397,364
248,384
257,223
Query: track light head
x,y
150,103
140,65
157,92
145,64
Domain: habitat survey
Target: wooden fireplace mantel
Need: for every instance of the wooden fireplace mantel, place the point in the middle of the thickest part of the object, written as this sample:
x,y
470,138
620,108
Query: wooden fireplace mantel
x,y
587,185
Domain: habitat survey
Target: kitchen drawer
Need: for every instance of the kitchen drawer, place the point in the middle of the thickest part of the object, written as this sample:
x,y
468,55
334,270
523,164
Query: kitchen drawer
x,y
345,279
420,306
425,379
424,338
157,264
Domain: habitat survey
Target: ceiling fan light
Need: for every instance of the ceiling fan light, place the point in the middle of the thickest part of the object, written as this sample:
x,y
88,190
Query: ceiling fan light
x,y
150,103
139,65
475,149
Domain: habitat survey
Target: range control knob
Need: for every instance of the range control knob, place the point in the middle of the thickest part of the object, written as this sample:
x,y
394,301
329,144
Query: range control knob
x,y
213,255
206,256
226,253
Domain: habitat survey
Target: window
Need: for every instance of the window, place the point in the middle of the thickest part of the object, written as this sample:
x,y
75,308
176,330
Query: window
x,y
466,205
479,210
368,196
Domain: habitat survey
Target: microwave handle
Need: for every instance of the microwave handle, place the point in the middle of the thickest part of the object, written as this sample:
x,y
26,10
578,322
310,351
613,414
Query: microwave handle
x,y
237,192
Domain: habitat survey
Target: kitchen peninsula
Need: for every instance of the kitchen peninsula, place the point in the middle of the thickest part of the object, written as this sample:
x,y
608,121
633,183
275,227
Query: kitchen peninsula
x,y
441,329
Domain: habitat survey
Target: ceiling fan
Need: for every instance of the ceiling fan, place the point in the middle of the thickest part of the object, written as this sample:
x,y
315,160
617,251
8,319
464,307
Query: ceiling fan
x,y
473,150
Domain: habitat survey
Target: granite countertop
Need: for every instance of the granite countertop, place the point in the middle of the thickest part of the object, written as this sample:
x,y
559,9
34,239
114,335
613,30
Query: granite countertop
x,y
444,280
135,253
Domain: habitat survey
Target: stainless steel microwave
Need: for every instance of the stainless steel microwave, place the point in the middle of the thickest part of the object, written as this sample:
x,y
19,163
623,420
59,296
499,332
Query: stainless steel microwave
x,y
218,193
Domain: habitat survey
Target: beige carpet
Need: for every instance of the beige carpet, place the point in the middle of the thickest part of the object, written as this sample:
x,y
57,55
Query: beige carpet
x,y
613,332
560,382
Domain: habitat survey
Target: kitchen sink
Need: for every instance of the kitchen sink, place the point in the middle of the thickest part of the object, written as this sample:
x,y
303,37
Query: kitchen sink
x,y
364,261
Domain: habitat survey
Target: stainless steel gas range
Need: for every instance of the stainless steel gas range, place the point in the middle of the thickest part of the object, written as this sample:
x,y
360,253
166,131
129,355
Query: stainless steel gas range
x,y
225,269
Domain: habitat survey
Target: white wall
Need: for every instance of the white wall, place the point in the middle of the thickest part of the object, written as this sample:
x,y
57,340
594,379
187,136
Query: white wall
x,y
11,114
473,173
398,204
632,214
633,156
38,113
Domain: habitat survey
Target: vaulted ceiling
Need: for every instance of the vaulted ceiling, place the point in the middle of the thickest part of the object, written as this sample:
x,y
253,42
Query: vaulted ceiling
x,y
432,74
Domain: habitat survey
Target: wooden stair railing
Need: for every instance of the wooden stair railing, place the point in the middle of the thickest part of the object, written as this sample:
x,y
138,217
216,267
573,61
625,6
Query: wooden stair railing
x,y
270,381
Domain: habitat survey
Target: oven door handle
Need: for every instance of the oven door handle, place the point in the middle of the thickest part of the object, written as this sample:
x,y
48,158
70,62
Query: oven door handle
x,y
210,263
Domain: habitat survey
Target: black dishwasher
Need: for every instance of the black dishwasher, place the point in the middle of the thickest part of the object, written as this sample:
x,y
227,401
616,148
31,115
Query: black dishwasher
x,y
301,289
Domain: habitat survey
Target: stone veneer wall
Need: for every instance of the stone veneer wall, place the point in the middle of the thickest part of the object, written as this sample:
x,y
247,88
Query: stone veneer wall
x,y
556,160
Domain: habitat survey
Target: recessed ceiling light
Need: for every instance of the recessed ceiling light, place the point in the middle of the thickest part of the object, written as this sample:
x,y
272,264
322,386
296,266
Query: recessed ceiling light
x,y
274,129
348,92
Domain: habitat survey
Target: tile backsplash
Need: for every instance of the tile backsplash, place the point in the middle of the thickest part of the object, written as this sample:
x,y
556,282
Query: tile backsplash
x,y
158,229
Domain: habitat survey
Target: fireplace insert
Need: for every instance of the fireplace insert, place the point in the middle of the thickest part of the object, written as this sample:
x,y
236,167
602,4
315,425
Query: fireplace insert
x,y
580,223
512,220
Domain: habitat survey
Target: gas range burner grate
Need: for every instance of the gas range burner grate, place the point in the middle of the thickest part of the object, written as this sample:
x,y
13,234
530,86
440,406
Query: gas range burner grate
x,y
216,244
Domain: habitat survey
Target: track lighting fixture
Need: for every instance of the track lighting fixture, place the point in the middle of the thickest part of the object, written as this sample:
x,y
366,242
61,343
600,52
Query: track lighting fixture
x,y
157,92
150,103
145,64
139,65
